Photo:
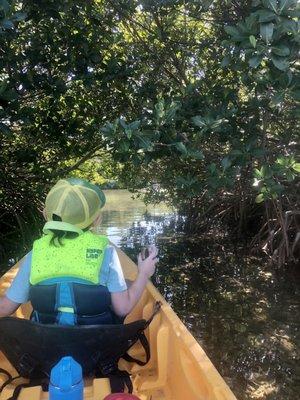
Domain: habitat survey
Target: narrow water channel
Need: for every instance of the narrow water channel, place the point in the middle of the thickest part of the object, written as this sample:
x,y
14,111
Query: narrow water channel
x,y
243,313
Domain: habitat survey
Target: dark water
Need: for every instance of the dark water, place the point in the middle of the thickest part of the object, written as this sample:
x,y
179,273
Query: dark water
x,y
244,313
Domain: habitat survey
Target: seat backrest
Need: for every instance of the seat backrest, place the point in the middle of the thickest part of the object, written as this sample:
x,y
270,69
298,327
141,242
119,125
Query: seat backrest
x,y
33,348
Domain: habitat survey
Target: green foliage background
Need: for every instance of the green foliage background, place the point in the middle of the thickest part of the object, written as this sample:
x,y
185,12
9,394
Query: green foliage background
x,y
196,102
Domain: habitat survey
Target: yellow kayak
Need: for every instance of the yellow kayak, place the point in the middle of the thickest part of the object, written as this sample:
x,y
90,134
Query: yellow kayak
x,y
178,369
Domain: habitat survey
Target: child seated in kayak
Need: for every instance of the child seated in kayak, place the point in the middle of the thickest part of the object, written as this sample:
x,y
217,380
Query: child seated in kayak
x,y
72,275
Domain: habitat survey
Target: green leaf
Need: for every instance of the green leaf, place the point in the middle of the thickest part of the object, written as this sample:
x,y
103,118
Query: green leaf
x,y
296,94
258,173
181,147
134,125
266,31
285,4
290,176
289,78
226,163
282,161
109,128
212,168
123,123
271,4
171,112
216,124
196,154
259,198
243,28
128,133
280,63
199,121
296,167
277,99
255,61
251,23
289,26
160,109
266,16
277,188
232,31
252,40
206,4
294,13
124,146
225,62
281,50
145,143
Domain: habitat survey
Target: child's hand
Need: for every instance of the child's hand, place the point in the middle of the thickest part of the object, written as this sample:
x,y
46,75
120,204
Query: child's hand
x,y
147,266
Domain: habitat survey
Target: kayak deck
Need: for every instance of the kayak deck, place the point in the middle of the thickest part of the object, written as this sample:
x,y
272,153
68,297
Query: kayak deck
x,y
178,369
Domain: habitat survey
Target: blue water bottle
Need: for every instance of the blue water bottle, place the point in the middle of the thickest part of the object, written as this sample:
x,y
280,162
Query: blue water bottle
x,y
66,381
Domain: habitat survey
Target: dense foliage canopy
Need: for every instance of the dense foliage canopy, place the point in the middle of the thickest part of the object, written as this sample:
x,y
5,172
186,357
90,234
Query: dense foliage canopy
x,y
196,101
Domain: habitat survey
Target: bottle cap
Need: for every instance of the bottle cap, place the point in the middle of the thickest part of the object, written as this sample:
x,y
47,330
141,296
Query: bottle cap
x,y
65,374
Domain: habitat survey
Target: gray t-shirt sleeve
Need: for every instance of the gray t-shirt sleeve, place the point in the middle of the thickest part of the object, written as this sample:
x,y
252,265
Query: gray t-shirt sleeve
x,y
19,288
111,274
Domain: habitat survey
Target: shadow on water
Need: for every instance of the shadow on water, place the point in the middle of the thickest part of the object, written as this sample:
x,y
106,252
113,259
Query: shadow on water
x,y
244,314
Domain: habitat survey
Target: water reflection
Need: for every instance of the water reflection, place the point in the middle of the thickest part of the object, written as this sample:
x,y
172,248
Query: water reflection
x,y
244,313
241,312
129,221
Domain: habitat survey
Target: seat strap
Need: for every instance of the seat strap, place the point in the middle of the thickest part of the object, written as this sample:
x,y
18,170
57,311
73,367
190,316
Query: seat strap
x,y
156,309
8,381
143,340
4,372
145,344
118,380
31,383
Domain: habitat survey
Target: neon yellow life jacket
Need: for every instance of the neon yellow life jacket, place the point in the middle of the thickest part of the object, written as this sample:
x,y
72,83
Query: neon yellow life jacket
x,y
80,257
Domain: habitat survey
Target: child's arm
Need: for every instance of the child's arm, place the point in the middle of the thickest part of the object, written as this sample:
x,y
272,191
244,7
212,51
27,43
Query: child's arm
x,y
18,292
7,306
123,302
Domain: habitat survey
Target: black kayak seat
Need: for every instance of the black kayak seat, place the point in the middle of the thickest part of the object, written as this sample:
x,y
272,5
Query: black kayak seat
x,y
33,348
